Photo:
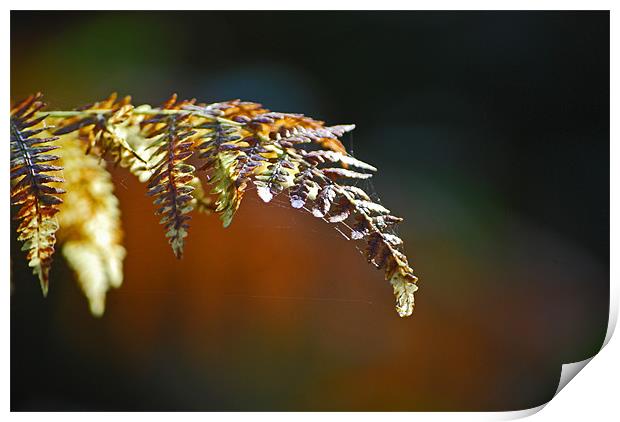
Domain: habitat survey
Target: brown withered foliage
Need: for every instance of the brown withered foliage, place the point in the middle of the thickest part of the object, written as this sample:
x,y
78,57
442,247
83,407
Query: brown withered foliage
x,y
30,190
183,147
169,183
101,127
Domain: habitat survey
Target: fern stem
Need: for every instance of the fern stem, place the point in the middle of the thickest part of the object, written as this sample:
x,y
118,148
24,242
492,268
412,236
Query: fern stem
x,y
150,111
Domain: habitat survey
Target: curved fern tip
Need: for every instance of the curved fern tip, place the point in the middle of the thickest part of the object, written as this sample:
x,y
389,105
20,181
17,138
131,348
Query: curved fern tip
x,y
404,290
44,280
44,288
177,249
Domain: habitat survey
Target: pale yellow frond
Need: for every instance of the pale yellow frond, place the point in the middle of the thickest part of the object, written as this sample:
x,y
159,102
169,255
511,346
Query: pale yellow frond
x,y
90,230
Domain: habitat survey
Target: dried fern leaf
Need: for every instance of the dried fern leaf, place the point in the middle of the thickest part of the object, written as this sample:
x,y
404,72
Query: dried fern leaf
x,y
336,204
328,156
278,175
315,188
139,144
225,186
222,149
170,182
31,191
102,126
217,137
297,128
245,142
304,188
90,231
338,173
242,143
240,111
297,170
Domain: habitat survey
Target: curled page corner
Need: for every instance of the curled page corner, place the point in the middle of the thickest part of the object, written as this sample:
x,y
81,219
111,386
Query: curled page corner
x,y
519,414
569,370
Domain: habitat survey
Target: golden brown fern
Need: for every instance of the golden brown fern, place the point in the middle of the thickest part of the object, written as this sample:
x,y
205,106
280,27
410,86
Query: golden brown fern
x,y
30,191
170,182
337,203
90,231
236,145
102,126
219,147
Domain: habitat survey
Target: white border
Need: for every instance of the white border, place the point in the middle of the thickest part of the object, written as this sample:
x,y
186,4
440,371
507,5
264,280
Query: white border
x,y
593,394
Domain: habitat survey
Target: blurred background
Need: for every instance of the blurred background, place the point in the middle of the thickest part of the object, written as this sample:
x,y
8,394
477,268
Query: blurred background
x,y
491,135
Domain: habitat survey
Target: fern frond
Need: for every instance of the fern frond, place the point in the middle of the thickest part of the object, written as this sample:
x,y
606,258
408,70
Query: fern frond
x,y
337,204
240,111
217,137
304,188
102,126
237,144
278,175
221,149
328,156
318,188
253,143
90,231
139,144
297,128
170,182
31,191
295,169
225,186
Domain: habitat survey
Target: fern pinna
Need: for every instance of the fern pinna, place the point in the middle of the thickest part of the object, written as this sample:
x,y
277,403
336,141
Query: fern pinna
x,y
193,157
30,191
